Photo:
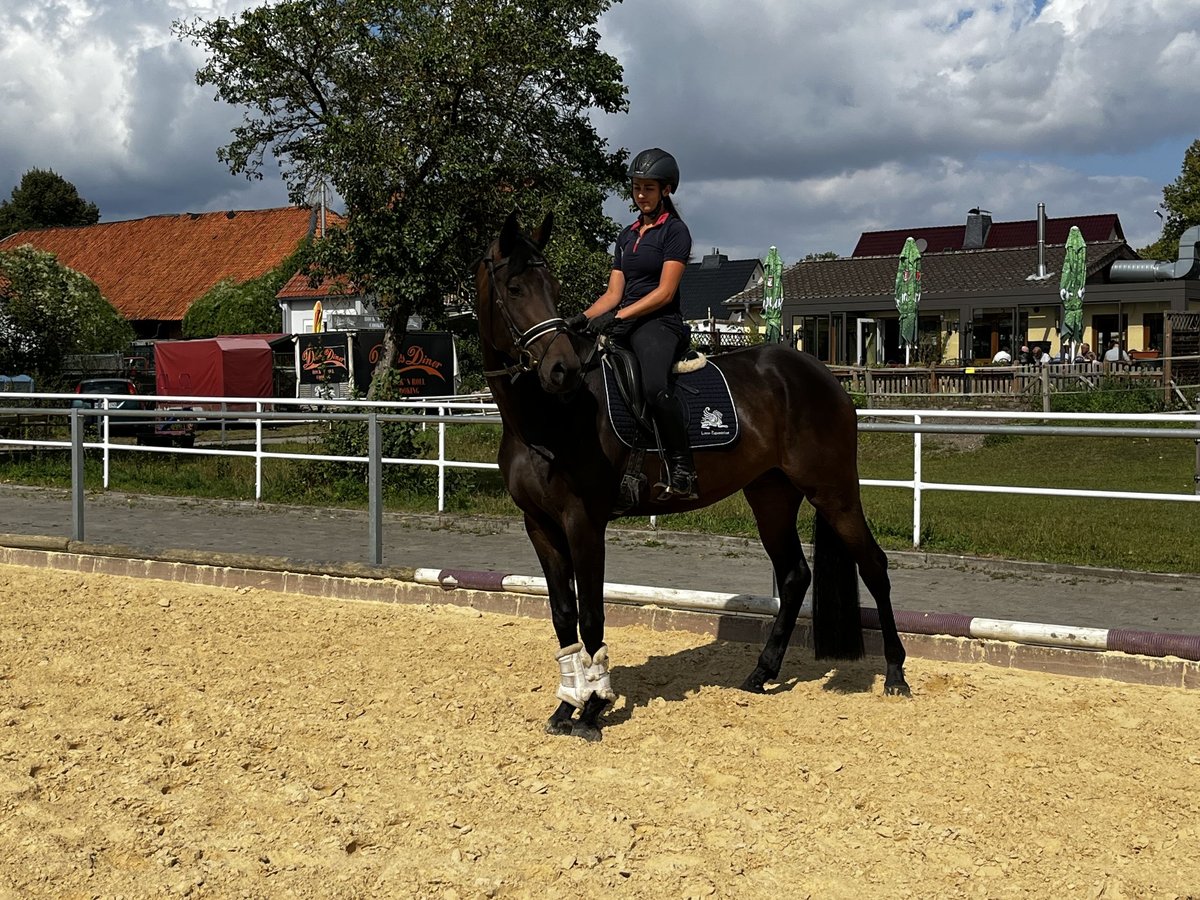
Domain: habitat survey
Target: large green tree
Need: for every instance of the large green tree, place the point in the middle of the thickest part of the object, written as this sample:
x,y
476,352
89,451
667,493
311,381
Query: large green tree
x,y
44,199
432,121
48,311
1181,202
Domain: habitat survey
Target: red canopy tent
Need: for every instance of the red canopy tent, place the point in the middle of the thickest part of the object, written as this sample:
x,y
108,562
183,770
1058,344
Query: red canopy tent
x,y
215,367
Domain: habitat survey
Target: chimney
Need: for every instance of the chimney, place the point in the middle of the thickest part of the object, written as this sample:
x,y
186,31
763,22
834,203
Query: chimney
x,y
1041,274
714,260
979,223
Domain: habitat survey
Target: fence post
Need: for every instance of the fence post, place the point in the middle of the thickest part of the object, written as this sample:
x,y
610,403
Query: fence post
x,y
869,382
441,459
106,433
375,489
1045,389
916,484
258,449
77,475
1196,477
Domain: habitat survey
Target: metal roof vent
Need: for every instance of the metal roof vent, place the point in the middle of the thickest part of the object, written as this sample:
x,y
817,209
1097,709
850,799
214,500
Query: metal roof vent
x,y
1126,271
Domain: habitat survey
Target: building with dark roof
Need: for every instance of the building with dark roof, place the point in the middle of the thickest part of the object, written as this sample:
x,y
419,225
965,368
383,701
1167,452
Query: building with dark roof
x,y
707,286
974,301
979,232
151,270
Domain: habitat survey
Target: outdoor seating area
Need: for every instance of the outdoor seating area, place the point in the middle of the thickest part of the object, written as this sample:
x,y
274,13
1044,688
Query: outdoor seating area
x,y
1177,378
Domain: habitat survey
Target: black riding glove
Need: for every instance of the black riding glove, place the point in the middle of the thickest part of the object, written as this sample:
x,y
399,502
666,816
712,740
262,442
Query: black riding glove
x,y
602,323
578,323
619,328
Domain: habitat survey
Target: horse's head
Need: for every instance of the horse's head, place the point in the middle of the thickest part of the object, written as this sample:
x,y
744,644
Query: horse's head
x,y
519,323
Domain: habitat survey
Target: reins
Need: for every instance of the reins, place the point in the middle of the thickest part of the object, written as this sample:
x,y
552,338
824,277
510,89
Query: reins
x,y
526,360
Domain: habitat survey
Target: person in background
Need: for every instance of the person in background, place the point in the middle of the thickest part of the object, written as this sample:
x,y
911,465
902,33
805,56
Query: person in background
x,y
1084,354
1002,358
1025,357
1114,353
1040,355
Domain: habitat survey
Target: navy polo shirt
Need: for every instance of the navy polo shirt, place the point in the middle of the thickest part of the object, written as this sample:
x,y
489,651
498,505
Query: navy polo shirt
x,y
640,258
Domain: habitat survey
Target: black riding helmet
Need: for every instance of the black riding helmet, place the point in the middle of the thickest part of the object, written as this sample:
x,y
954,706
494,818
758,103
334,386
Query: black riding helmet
x,y
655,164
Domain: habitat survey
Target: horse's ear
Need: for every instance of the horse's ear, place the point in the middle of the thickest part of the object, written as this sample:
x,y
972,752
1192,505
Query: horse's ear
x,y
510,235
541,237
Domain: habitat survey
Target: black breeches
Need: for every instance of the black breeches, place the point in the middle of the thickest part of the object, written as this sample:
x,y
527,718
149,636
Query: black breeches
x,y
655,343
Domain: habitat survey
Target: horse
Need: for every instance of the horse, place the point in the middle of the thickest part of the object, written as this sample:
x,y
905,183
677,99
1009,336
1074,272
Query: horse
x,y
562,464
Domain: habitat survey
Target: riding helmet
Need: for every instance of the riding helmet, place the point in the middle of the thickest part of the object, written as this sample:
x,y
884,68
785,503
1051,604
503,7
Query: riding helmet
x,y
656,164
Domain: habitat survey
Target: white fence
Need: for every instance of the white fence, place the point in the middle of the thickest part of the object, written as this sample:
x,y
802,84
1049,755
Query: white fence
x,y
441,413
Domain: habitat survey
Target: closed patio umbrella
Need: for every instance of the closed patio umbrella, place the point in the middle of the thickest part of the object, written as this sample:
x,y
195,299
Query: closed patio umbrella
x,y
908,295
1070,290
773,296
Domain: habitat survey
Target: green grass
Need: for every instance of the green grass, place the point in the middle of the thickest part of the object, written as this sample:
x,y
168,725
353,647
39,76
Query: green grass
x,y
1154,536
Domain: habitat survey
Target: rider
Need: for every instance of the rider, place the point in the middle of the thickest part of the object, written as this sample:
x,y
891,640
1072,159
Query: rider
x,y
641,306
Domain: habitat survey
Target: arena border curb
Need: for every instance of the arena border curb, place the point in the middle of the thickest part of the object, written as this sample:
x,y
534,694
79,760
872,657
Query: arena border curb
x,y
356,582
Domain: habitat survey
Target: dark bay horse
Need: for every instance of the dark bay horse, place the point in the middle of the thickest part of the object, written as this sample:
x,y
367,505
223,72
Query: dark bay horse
x,y
562,464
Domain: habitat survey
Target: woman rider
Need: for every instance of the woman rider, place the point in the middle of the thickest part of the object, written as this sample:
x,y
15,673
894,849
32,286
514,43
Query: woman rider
x,y
641,306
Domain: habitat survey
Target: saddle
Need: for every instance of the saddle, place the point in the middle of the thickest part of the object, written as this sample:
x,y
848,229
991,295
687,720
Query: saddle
x,y
711,417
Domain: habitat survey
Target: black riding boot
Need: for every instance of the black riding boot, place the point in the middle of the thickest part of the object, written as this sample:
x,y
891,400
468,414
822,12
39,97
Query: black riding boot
x,y
680,483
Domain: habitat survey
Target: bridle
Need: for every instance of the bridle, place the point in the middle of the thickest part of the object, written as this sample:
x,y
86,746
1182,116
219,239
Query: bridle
x,y
526,360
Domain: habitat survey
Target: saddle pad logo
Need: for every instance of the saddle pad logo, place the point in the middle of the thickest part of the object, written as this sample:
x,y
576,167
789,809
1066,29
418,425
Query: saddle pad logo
x,y
712,422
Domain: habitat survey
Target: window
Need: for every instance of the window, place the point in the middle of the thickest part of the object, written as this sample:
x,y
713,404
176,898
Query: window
x,y
1152,331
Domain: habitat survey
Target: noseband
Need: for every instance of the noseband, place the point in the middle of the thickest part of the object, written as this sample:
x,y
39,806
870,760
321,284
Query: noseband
x,y
522,340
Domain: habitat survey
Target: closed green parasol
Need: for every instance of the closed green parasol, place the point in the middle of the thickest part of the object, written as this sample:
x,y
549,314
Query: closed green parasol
x,y
773,296
908,295
1070,289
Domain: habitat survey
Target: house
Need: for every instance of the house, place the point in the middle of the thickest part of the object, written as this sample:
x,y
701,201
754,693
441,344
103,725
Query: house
x,y
343,307
705,291
152,269
999,290
979,232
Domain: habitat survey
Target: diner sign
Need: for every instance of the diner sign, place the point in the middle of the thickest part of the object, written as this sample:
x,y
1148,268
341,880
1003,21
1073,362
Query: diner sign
x,y
425,362
323,358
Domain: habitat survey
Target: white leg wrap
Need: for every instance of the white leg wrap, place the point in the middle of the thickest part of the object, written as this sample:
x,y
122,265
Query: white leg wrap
x,y
583,675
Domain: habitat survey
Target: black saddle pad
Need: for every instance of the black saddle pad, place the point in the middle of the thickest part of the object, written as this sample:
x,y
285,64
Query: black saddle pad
x,y
711,417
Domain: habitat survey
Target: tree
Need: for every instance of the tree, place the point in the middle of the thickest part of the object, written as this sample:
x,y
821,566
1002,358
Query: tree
x,y
44,199
242,307
1181,201
432,121
824,254
48,311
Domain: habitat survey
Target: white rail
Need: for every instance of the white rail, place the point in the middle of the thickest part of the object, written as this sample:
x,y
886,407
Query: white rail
x,y
444,411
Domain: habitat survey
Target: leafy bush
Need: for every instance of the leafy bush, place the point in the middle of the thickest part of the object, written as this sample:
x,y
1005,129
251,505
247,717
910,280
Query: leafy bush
x,y
397,440
242,307
1112,395
48,311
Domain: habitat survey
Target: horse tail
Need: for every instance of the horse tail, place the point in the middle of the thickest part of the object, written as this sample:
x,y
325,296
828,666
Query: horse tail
x,y
837,627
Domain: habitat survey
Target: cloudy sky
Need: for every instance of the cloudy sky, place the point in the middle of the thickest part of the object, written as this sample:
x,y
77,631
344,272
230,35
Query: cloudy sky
x,y
798,124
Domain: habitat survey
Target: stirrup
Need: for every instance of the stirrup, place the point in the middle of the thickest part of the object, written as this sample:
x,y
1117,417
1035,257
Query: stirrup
x,y
681,485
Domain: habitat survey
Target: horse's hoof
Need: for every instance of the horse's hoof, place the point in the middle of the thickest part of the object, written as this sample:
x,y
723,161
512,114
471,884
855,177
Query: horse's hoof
x,y
756,682
555,725
897,690
588,732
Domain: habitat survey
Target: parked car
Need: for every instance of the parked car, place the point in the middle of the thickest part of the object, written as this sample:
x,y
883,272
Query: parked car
x,y
159,432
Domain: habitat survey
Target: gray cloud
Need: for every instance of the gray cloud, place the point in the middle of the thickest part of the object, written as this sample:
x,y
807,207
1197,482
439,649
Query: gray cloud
x,y
796,124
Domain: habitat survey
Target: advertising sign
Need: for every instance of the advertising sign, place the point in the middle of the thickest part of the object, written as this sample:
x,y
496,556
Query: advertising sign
x,y
425,362
323,357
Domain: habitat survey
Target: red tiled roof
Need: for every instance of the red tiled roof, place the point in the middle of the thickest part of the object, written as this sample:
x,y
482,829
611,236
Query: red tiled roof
x,y
298,288
154,268
1106,227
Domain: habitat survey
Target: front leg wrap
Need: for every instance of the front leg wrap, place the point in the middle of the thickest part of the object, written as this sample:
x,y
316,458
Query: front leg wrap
x,y
583,675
